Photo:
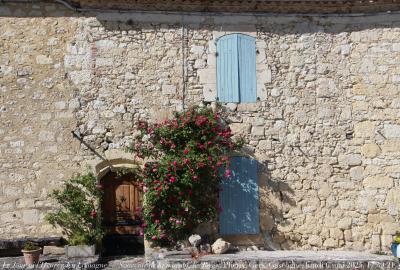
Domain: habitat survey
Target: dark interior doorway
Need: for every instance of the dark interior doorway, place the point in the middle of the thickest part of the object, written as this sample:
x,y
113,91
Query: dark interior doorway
x,y
121,201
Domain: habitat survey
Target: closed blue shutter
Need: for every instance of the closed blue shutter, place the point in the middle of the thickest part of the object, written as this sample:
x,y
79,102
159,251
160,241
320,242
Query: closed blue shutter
x,y
247,69
236,69
227,69
239,198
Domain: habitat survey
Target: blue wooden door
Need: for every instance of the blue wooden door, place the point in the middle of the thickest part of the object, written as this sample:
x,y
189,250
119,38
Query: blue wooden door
x,y
239,198
247,69
227,69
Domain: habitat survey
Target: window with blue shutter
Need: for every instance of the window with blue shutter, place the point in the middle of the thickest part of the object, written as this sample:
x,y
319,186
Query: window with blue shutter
x,y
236,69
239,198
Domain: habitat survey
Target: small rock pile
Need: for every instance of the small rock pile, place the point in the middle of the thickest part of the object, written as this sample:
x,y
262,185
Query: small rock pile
x,y
201,246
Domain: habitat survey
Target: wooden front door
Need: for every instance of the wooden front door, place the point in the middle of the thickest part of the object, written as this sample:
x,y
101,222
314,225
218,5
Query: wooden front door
x,y
122,198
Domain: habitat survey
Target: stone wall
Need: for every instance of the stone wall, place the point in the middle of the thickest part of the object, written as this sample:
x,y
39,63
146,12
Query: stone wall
x,y
326,128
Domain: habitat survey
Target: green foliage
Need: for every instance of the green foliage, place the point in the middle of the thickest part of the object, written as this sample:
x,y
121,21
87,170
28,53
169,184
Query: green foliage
x,y
79,215
29,246
397,239
181,187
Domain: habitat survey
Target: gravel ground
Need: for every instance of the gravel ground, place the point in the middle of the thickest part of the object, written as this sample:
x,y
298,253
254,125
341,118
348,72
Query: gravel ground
x,y
258,260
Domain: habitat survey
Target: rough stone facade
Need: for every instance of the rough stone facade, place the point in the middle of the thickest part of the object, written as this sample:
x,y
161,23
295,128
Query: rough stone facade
x,y
327,127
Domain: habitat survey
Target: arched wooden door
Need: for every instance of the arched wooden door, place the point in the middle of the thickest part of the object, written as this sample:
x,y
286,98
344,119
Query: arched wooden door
x,y
122,198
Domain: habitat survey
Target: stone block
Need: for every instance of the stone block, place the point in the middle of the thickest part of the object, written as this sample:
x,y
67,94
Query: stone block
x,y
391,131
53,250
248,107
80,77
220,246
30,216
326,87
391,146
344,223
364,129
370,150
350,160
331,243
44,60
197,50
60,105
357,173
315,240
168,89
258,131
378,181
106,44
46,136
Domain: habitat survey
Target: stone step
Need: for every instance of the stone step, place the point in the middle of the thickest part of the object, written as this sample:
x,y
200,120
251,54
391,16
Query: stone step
x,y
13,247
268,260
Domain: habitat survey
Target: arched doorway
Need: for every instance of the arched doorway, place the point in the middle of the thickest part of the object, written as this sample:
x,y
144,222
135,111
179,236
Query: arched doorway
x,y
121,204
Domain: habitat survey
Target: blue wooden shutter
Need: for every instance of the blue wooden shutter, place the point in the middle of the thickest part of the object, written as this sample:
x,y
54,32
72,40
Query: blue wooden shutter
x,y
239,198
247,69
227,69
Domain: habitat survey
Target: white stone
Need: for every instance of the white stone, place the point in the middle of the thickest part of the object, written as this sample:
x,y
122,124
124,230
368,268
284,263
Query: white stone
x,y
46,136
326,87
106,44
195,240
44,60
315,240
197,50
220,246
275,92
258,131
330,243
80,77
119,109
378,181
53,250
344,223
60,105
391,131
357,173
168,89
30,216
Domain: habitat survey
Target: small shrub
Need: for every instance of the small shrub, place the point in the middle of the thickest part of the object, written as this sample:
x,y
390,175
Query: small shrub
x,y
181,185
79,215
29,246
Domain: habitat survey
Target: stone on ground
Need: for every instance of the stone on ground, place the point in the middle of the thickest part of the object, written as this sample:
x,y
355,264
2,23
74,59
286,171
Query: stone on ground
x,y
195,240
220,246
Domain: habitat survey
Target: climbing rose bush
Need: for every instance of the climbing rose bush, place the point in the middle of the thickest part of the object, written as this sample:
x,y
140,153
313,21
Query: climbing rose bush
x,y
181,185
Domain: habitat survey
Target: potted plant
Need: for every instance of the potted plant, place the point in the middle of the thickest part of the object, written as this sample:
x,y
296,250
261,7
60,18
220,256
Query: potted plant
x,y
31,253
79,214
395,247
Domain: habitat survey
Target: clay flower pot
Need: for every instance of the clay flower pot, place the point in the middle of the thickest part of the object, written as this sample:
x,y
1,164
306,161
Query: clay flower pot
x,y
31,256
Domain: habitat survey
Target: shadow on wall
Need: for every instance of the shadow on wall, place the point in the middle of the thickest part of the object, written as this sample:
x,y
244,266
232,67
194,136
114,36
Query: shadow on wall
x,y
293,24
251,199
276,199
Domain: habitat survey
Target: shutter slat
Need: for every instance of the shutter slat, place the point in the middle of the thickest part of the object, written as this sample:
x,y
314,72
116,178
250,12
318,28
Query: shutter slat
x,y
240,198
247,69
227,69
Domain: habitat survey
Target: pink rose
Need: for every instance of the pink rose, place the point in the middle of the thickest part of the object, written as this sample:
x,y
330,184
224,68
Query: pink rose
x,y
172,180
154,237
186,151
175,163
